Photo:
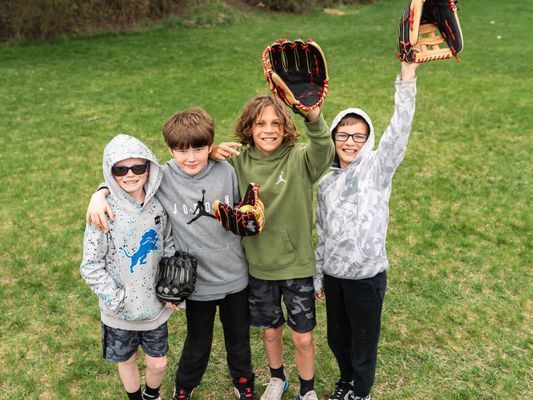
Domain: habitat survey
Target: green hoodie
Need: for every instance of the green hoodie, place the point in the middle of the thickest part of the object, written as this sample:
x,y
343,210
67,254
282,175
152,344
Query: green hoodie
x,y
284,249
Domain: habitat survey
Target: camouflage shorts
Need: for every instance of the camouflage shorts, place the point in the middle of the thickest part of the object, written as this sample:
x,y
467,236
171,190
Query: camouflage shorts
x,y
119,345
299,299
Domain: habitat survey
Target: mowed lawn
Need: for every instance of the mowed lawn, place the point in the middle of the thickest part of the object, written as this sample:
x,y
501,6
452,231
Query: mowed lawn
x,y
457,319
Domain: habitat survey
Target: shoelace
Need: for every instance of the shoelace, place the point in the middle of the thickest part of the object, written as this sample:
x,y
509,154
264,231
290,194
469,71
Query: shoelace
x,y
340,392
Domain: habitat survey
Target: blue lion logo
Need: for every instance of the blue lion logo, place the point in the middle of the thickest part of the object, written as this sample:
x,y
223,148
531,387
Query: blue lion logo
x,y
148,244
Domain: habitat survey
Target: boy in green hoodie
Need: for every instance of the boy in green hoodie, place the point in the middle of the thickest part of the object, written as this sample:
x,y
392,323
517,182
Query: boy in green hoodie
x,y
281,260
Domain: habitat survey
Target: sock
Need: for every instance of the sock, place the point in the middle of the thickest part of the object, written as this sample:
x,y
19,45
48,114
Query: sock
x,y
150,393
306,386
277,373
135,395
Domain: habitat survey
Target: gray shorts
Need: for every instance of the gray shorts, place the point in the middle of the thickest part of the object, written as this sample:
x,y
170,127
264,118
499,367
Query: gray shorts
x,y
299,299
119,345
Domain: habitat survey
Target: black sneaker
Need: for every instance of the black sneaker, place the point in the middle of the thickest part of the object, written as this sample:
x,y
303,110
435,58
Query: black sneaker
x,y
343,391
147,396
181,393
244,388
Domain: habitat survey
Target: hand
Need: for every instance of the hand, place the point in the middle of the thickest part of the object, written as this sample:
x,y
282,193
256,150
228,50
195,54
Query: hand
x,y
313,114
225,150
98,209
319,296
173,306
408,71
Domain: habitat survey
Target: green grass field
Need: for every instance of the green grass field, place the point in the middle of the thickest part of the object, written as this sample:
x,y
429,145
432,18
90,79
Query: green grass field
x,y
458,313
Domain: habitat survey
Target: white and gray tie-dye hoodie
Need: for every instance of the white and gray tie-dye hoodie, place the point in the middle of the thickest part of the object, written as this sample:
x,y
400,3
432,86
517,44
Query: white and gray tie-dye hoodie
x,y
120,266
353,203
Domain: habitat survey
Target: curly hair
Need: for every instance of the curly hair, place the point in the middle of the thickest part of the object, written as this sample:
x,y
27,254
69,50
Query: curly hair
x,y
253,109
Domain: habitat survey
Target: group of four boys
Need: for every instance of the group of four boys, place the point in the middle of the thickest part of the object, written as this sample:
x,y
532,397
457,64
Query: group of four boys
x,y
155,209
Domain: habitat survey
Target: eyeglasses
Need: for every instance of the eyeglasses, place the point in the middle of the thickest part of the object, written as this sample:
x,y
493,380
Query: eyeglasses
x,y
357,137
137,169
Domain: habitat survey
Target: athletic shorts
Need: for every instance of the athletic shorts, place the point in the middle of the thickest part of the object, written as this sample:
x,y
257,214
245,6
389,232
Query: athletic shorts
x,y
299,299
119,345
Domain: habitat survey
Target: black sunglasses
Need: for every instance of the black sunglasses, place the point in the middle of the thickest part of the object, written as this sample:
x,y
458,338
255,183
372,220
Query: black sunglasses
x,y
137,169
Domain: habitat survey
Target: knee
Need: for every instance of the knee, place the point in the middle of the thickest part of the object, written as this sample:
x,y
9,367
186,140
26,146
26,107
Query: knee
x,y
303,341
157,364
132,361
272,335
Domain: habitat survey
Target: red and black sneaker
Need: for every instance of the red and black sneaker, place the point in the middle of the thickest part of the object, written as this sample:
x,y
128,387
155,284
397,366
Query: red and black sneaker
x,y
244,388
182,393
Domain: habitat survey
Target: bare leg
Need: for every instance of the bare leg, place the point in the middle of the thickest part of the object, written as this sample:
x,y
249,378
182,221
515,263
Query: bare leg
x,y
273,342
304,354
155,370
129,374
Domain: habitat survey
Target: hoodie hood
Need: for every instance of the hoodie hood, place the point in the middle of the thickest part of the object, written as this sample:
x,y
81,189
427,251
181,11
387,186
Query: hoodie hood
x,y
123,147
369,144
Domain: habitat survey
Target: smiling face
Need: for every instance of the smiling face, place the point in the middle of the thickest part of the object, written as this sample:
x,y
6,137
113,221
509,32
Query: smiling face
x,y
267,131
348,150
191,160
132,183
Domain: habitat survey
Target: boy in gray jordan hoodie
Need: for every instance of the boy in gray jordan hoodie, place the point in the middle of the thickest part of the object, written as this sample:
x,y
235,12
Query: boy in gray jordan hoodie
x,y
120,266
352,219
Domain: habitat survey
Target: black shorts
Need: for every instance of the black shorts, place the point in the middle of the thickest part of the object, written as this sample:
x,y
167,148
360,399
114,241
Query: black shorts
x,y
119,345
298,297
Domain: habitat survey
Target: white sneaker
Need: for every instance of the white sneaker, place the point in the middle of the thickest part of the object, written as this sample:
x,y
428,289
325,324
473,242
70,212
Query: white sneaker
x,y
311,395
275,389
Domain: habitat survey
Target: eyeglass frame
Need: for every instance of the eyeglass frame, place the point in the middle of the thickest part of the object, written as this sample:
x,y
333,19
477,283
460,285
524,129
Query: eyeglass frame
x,y
351,135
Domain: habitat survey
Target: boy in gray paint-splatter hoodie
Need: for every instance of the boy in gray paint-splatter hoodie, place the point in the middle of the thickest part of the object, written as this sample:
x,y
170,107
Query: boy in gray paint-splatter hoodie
x,y
352,219
120,266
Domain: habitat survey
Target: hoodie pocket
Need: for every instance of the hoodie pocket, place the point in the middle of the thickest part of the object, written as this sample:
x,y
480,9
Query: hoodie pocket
x,y
219,266
272,249
140,303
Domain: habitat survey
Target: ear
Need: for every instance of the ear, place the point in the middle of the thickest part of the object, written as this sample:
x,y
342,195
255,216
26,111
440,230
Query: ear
x,y
210,148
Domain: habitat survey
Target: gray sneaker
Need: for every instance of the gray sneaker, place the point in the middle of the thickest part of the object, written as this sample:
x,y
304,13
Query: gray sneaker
x,y
361,398
275,389
310,395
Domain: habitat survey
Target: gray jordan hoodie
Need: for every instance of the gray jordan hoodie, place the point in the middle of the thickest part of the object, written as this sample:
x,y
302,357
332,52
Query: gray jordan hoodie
x,y
353,203
120,266
222,267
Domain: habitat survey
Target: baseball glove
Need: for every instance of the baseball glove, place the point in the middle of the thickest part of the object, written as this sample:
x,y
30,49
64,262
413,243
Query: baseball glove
x,y
176,277
246,219
429,30
297,72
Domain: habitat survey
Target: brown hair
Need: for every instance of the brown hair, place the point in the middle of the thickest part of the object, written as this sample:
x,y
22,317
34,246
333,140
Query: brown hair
x,y
190,128
351,119
253,109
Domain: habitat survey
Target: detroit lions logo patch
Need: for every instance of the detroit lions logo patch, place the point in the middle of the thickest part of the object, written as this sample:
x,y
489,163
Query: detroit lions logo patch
x,y
147,245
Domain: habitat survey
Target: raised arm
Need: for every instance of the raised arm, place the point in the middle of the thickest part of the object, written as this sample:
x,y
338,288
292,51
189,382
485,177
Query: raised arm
x,y
393,145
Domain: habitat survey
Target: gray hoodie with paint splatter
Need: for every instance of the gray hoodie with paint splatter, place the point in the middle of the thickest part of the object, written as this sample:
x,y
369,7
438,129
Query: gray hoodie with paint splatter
x,y
120,266
353,203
